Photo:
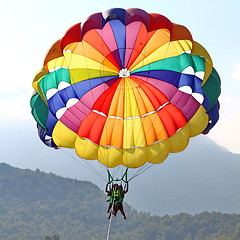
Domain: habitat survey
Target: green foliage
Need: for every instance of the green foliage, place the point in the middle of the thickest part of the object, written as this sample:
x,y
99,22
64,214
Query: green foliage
x,y
39,206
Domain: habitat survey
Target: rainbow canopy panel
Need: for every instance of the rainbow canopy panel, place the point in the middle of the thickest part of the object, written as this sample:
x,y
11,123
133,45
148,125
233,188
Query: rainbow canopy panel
x,y
125,87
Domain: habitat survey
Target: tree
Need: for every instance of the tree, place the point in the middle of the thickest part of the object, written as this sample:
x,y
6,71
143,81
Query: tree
x,y
54,237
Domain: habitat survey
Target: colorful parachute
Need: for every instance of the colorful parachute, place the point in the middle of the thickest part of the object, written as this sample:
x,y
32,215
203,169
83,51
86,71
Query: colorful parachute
x,y
126,88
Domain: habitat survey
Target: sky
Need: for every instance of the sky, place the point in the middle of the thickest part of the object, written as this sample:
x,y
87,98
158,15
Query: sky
x,y
30,27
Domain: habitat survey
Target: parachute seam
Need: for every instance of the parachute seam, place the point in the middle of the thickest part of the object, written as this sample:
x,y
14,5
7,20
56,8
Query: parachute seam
x,y
150,101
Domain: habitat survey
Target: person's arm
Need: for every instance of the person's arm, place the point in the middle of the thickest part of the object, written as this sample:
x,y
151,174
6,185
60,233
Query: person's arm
x,y
126,188
106,189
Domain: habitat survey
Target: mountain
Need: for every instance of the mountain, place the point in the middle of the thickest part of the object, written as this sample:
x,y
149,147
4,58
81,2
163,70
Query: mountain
x,y
34,204
38,206
204,177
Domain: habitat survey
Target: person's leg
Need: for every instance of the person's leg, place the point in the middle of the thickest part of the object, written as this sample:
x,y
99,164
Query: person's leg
x,y
109,207
121,210
115,210
123,213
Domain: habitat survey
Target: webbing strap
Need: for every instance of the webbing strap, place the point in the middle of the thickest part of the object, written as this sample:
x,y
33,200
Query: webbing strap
x,y
122,179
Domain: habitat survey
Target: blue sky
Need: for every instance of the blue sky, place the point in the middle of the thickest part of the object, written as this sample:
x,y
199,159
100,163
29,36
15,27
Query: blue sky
x,y
29,28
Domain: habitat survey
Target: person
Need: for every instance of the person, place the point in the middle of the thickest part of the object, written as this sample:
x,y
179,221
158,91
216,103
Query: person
x,y
116,194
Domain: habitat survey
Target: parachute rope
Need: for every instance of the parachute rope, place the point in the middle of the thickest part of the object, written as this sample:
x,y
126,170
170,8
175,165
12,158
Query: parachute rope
x,y
84,163
87,165
141,170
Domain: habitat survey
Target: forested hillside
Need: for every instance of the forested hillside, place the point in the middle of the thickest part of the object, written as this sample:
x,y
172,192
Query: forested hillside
x,y
38,206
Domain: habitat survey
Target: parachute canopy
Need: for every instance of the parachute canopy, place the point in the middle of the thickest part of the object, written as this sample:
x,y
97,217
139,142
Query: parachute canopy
x,y
125,87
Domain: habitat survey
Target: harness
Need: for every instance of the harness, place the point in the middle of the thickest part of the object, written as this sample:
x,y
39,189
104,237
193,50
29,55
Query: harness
x,y
115,197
